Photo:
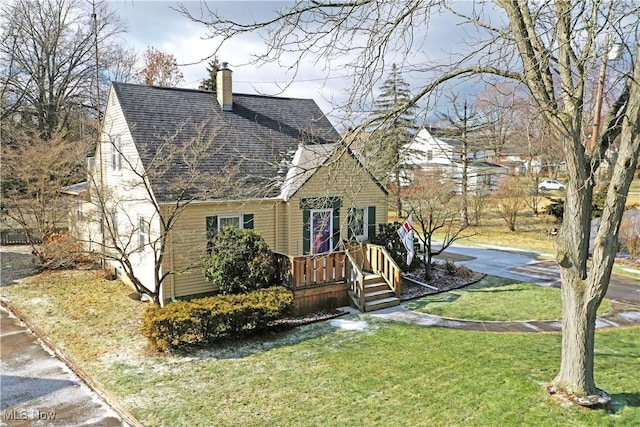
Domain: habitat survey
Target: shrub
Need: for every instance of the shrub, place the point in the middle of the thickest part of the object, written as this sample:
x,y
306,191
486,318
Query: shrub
x,y
464,272
240,261
388,237
555,209
204,321
450,267
59,250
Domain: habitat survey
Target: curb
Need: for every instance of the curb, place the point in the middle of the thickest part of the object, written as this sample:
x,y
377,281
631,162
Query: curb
x,y
96,387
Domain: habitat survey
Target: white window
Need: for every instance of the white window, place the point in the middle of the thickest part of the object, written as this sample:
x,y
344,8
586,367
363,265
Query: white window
x,y
79,215
229,220
114,227
143,232
360,224
214,224
116,154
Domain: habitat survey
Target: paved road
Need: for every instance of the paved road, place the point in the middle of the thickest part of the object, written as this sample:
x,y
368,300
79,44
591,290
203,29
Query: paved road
x,y
37,389
526,266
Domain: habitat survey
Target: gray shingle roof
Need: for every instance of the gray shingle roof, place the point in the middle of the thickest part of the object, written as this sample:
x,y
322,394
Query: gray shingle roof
x,y
257,138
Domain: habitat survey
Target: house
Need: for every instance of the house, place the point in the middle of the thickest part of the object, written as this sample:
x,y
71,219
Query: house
x,y
174,166
434,149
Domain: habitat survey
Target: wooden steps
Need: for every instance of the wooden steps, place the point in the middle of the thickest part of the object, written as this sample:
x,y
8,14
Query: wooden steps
x,y
377,294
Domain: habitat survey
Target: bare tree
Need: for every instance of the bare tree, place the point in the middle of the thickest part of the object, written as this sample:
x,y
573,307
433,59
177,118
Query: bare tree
x,y
159,69
34,171
500,106
461,122
429,199
123,237
123,62
47,57
550,48
510,200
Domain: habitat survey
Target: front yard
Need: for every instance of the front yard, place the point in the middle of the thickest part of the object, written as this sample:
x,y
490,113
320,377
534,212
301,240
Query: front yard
x,y
387,374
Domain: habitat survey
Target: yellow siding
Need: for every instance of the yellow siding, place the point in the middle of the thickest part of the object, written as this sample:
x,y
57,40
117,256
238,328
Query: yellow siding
x,y
341,176
187,245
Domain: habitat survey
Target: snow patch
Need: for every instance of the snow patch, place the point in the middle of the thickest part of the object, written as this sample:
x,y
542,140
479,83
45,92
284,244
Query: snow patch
x,y
349,325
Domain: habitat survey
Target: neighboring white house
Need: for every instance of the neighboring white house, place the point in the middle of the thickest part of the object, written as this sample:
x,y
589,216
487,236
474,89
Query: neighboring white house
x,y
433,151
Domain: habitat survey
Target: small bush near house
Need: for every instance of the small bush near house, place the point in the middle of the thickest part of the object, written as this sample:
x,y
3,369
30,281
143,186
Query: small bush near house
x,y
239,261
60,251
205,321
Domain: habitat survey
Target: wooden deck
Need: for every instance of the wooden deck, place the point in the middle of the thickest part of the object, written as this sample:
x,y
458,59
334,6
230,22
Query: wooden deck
x,y
335,279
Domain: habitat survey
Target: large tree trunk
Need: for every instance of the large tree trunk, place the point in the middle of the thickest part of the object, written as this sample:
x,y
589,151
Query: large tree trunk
x,y
583,290
578,327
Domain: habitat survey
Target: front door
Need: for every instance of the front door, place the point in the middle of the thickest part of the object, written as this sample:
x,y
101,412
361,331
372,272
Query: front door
x,y
321,226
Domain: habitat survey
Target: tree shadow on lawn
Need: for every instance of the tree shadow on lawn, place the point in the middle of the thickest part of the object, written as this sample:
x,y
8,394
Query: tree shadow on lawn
x,y
273,339
421,303
494,284
619,401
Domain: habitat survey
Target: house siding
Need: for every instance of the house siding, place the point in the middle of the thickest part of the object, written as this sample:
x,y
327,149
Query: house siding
x,y
344,177
279,223
187,242
125,197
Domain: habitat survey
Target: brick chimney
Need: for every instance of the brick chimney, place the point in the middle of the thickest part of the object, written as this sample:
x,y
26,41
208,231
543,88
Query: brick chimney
x,y
224,87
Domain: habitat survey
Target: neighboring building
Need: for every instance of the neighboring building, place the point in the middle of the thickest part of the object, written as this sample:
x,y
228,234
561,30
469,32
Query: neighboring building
x,y
433,150
289,179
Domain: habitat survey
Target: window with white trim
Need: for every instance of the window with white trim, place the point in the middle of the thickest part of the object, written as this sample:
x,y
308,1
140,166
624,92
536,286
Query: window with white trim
x,y
229,221
214,224
362,223
359,223
79,214
116,154
115,235
143,232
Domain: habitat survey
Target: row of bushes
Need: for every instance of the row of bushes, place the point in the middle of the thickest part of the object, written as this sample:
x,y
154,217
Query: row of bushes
x,y
203,321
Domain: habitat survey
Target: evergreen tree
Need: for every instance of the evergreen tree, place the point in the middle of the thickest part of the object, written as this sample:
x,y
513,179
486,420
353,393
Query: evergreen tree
x,y
392,131
210,82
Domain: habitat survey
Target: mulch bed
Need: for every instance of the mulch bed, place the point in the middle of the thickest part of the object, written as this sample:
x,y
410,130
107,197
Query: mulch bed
x,y
440,279
410,290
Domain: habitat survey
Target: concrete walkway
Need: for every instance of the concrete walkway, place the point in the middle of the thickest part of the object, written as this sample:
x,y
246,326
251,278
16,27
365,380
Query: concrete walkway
x,y
621,314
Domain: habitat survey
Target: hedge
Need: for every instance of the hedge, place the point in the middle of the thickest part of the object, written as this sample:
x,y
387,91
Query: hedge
x,y
204,321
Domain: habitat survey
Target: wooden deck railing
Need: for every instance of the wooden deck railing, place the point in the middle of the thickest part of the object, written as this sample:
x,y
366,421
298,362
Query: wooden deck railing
x,y
312,270
304,272
382,264
355,280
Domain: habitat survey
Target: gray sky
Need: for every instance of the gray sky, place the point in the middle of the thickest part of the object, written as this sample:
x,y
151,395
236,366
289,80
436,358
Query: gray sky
x,y
154,23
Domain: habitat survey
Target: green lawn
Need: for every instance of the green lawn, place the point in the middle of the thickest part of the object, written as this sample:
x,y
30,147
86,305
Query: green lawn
x,y
390,374
497,298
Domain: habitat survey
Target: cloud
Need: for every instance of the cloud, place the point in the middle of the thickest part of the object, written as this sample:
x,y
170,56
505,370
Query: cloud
x,y
156,23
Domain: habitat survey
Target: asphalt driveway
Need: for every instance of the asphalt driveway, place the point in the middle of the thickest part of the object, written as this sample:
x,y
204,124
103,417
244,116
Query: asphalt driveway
x,y
527,266
37,389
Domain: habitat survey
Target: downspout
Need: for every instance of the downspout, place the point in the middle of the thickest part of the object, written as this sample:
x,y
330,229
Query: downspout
x,y
173,276
277,248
